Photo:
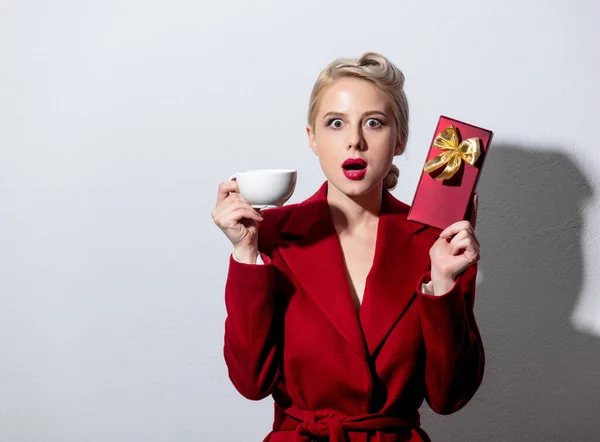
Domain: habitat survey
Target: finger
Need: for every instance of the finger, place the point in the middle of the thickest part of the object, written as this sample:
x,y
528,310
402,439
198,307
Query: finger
x,y
238,197
225,188
467,244
245,213
234,202
238,216
238,202
453,229
227,205
465,233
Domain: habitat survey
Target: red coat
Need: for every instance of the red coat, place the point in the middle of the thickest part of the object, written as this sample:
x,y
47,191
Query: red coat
x,y
292,330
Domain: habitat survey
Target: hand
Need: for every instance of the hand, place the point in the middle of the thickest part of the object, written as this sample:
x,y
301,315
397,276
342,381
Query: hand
x,y
237,219
457,247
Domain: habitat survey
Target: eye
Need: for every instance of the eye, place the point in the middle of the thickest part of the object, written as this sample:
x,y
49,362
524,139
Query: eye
x,y
336,123
376,122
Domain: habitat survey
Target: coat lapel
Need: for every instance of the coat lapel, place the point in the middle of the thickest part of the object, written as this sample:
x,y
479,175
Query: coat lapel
x,y
399,261
310,247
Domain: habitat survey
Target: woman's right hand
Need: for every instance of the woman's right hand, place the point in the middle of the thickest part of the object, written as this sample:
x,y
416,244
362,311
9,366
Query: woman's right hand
x,y
238,220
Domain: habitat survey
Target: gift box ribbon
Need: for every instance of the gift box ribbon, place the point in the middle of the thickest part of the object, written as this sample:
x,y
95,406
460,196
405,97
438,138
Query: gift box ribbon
x,y
455,152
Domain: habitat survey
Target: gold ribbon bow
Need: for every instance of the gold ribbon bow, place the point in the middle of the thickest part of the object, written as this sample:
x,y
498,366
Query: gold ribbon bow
x,y
449,140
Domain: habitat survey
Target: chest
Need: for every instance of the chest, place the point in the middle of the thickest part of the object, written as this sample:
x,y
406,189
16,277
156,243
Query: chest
x,y
359,252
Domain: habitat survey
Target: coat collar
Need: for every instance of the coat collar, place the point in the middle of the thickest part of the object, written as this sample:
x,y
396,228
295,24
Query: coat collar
x,y
311,248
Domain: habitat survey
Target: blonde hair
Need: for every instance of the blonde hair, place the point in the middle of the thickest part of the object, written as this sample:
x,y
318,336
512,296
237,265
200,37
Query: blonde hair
x,y
377,69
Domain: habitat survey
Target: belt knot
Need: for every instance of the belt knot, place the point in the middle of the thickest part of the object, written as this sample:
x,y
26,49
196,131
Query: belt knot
x,y
322,423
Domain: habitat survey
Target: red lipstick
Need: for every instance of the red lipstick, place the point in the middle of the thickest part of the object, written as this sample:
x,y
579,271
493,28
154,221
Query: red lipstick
x,y
354,168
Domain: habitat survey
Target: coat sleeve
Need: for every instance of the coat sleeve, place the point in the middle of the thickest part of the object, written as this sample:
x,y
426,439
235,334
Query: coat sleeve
x,y
253,327
454,355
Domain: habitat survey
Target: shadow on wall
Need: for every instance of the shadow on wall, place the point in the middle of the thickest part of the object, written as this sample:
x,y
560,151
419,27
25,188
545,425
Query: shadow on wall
x,y
542,379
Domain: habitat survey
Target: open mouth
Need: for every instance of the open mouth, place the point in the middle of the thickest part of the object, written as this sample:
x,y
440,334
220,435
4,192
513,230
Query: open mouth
x,y
354,166
355,169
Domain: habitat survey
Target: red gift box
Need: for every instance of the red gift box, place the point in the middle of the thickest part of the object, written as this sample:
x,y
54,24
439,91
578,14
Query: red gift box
x,y
444,201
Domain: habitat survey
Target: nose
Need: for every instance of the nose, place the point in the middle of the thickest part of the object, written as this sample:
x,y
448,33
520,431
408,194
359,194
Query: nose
x,y
356,139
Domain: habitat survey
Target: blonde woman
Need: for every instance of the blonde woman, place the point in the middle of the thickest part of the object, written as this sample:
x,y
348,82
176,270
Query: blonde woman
x,y
344,311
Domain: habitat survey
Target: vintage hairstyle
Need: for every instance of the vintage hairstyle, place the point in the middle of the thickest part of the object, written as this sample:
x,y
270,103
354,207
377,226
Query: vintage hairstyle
x,y
377,69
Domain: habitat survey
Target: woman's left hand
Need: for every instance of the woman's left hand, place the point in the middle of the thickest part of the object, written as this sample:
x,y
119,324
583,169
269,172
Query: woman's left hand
x,y
456,249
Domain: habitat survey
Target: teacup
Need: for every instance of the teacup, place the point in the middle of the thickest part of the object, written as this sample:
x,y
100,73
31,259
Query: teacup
x,y
265,188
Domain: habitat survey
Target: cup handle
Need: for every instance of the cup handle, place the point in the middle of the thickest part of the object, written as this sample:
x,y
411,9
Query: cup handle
x,y
231,178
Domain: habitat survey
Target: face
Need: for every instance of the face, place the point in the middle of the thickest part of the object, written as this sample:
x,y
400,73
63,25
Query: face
x,y
354,121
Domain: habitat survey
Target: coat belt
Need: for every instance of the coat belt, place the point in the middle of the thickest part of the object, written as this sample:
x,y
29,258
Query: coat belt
x,y
335,425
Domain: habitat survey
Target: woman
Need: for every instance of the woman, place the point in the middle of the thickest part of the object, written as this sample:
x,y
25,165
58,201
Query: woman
x,y
344,311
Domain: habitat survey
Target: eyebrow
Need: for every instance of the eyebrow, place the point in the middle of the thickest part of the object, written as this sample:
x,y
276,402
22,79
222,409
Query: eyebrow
x,y
341,114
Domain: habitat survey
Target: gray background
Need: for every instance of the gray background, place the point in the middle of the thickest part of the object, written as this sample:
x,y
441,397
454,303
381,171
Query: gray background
x,y
118,119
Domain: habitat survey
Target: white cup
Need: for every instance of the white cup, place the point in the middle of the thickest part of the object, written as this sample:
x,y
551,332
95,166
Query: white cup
x,y
266,188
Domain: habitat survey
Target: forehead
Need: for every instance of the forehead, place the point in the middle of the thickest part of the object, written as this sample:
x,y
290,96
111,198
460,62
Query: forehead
x,y
350,95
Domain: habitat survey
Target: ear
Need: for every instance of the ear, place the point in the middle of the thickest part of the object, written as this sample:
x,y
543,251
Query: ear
x,y
398,149
312,142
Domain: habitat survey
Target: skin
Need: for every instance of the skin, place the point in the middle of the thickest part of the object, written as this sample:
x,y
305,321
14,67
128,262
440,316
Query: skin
x,y
354,120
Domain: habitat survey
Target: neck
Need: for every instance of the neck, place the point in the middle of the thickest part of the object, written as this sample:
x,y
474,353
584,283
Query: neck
x,y
353,213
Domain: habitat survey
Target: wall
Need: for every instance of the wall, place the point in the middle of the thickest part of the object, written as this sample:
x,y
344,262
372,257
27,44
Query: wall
x,y
118,119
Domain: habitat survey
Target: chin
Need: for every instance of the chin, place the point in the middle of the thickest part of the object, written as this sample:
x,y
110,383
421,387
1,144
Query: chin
x,y
355,188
